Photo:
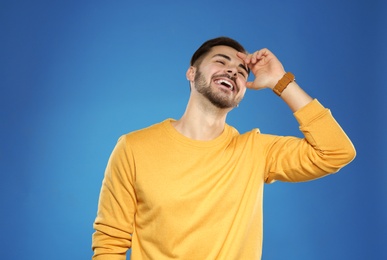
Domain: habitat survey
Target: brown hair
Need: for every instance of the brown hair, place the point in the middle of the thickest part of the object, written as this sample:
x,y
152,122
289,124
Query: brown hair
x,y
197,57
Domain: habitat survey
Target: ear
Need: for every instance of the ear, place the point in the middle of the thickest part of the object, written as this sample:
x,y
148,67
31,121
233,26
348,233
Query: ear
x,y
190,74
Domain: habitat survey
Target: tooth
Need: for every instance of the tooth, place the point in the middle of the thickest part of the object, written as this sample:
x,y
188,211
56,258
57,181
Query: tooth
x,y
220,81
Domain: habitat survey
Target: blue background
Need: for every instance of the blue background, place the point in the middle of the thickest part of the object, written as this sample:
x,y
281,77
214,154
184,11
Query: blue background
x,y
75,75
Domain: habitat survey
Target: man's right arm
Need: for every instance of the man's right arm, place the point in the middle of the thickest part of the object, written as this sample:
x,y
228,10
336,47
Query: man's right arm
x,y
117,206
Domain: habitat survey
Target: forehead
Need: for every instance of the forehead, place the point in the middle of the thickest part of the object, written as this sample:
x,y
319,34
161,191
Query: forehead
x,y
226,50
227,53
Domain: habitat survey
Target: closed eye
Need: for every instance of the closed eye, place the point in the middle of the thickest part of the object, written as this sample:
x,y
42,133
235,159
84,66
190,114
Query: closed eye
x,y
242,73
221,62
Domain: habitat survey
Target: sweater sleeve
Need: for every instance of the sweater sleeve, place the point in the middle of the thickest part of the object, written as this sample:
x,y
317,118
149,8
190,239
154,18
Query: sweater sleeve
x,y
324,149
117,206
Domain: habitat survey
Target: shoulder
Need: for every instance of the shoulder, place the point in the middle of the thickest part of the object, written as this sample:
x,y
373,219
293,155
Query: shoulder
x,y
154,129
145,135
255,138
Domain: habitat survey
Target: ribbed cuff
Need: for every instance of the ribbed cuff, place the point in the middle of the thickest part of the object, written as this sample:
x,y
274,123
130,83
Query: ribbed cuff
x,y
309,112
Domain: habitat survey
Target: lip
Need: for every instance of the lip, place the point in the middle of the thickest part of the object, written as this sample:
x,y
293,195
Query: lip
x,y
228,80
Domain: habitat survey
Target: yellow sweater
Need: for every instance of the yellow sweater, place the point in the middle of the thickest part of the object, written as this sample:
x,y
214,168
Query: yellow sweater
x,y
170,197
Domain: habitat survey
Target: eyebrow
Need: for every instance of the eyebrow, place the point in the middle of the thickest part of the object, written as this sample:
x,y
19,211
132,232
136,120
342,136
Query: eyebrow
x,y
228,58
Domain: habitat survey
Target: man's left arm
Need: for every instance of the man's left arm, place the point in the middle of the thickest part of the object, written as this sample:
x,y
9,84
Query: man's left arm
x,y
325,148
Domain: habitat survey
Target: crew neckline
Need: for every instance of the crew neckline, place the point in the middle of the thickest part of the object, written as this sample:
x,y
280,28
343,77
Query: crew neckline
x,y
173,133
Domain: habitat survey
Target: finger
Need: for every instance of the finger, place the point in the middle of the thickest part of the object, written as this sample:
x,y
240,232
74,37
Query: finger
x,y
241,55
262,53
249,84
252,58
256,57
244,56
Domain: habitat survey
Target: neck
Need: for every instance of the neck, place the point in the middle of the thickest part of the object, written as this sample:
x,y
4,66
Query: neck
x,y
202,122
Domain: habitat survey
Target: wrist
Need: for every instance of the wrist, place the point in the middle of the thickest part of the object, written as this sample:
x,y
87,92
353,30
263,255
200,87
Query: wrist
x,y
283,83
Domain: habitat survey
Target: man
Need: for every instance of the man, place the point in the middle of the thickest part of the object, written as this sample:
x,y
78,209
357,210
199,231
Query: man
x,y
192,188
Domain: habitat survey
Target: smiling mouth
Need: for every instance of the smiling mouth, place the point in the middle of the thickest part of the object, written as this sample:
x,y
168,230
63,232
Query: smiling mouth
x,y
226,83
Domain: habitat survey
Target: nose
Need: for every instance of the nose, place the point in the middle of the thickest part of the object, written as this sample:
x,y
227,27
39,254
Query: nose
x,y
232,71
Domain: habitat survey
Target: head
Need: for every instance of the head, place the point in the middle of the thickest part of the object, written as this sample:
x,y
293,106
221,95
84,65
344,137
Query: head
x,y
197,57
217,73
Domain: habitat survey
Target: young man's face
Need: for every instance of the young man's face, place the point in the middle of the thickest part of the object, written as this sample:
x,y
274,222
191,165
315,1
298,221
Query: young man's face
x,y
221,77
